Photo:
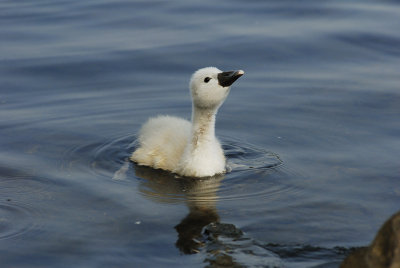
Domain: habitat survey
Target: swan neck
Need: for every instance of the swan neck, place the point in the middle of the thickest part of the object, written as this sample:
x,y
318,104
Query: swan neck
x,y
203,124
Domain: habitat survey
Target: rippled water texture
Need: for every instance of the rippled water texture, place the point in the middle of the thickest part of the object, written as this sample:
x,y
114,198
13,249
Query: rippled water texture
x,y
311,131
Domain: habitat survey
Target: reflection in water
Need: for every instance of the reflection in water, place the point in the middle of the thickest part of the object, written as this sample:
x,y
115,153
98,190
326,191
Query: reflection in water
x,y
201,230
223,244
384,251
189,229
200,196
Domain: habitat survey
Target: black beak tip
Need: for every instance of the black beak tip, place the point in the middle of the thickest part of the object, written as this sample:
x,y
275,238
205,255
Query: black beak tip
x,y
226,79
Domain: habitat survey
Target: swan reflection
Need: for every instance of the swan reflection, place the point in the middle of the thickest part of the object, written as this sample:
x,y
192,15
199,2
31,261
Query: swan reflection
x,y
200,196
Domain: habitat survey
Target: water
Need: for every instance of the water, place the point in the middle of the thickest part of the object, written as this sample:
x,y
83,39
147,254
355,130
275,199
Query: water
x,y
311,131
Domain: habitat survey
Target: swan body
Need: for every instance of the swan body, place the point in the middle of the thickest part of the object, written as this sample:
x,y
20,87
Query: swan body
x,y
183,147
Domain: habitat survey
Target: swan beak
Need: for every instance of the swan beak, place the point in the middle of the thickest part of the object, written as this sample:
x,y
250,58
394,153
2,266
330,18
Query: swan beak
x,y
226,79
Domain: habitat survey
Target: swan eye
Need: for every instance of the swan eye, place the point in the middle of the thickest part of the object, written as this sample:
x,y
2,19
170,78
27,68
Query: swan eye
x,y
207,79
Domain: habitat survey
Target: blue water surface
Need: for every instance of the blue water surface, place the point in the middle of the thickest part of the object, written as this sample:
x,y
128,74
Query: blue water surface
x,y
311,131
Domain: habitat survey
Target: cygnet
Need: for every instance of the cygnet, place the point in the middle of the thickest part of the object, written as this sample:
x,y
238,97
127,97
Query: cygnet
x,y
183,147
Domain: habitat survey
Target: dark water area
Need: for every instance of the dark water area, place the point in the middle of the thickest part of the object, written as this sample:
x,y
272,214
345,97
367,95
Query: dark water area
x,y
311,131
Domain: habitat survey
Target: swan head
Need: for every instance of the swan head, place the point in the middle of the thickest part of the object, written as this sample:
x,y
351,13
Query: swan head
x,y
210,86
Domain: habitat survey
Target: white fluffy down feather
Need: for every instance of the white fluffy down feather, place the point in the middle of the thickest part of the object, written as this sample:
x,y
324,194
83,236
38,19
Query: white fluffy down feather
x,y
183,147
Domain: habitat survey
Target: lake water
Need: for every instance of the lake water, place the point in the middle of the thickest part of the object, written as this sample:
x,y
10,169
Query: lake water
x,y
311,131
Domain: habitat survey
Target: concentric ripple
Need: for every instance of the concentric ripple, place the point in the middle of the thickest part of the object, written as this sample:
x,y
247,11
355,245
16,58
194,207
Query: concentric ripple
x,y
244,157
253,173
99,158
22,194
15,219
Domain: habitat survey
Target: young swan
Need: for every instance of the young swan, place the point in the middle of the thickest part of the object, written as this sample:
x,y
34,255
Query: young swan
x,y
183,147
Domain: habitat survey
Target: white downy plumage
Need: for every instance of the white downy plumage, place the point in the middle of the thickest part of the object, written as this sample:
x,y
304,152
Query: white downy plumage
x,y
183,147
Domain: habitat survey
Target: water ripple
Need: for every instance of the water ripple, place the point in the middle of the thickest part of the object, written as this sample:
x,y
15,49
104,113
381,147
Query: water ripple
x,y
247,177
15,219
99,158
